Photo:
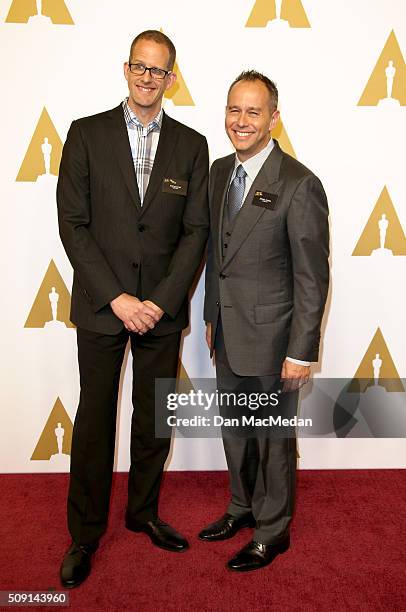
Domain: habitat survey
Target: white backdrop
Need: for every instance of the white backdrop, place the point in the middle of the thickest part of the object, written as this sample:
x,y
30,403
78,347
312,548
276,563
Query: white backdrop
x,y
328,59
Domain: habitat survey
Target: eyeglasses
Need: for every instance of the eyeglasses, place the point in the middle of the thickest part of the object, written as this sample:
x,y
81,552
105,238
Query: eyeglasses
x,y
156,73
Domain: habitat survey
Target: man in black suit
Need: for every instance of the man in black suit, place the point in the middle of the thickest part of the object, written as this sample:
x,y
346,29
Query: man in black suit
x,y
266,287
133,218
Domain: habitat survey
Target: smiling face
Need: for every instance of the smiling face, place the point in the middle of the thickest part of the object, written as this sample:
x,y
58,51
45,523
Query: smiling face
x,y
250,117
145,92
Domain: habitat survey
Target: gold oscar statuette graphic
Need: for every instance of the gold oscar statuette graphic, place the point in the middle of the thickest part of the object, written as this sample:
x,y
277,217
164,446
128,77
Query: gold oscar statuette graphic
x,y
55,441
183,382
43,156
281,135
376,369
32,11
279,13
179,92
383,235
51,306
387,84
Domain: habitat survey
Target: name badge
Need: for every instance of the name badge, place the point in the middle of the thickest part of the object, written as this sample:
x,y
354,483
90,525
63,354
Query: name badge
x,y
175,186
265,200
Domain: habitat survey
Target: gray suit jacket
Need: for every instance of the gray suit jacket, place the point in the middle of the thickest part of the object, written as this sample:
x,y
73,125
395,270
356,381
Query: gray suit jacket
x,y
271,285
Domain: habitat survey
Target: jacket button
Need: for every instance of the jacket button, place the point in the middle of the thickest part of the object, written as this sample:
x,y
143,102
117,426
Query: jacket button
x,y
223,276
217,303
141,227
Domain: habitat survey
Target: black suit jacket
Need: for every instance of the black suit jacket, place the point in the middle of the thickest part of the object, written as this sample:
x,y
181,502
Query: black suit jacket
x,y
270,284
114,244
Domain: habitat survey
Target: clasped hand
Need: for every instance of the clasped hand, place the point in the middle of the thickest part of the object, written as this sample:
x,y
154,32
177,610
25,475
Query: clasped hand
x,y
137,316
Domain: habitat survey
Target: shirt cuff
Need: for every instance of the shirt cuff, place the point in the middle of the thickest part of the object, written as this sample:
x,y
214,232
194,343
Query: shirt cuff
x,y
298,361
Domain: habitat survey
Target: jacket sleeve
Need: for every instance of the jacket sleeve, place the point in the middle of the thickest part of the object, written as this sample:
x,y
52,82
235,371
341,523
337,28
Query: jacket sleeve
x,y
171,291
308,232
97,280
209,274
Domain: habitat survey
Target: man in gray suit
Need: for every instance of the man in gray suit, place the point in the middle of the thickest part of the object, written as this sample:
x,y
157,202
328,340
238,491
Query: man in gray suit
x,y
266,286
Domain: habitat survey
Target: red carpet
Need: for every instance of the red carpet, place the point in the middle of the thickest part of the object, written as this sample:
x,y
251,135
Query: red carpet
x,y
348,547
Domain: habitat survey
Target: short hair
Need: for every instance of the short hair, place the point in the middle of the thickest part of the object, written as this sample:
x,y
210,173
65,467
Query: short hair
x,y
161,39
254,75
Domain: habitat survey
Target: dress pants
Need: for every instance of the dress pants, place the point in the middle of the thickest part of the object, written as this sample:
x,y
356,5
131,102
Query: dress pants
x,y
100,359
262,469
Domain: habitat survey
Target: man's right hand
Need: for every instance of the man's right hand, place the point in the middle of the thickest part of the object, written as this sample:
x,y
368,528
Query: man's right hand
x,y
136,315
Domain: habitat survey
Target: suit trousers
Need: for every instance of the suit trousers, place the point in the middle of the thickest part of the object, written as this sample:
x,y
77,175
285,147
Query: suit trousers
x,y
100,360
262,469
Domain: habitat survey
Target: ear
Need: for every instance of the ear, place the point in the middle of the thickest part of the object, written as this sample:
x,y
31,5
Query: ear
x,y
171,80
274,120
126,70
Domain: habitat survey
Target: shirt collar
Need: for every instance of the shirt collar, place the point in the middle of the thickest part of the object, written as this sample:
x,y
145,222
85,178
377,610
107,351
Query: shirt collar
x,y
254,164
131,118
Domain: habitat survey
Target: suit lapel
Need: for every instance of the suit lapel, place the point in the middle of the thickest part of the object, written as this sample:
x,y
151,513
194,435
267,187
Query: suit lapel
x,y
166,145
267,179
220,194
122,151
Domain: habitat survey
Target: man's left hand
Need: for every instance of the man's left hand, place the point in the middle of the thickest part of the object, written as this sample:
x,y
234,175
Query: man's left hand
x,y
159,312
294,375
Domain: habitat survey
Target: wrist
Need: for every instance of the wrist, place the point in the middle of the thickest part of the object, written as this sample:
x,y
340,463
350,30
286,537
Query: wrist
x,y
116,299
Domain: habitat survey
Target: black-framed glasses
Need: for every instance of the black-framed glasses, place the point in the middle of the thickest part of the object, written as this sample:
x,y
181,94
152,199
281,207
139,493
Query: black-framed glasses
x,y
156,73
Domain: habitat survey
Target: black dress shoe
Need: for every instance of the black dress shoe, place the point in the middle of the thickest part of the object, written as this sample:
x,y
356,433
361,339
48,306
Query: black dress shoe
x,y
226,527
256,555
161,534
76,564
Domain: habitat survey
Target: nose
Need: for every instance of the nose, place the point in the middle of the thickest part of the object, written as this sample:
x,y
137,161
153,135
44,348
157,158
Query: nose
x,y
242,120
146,77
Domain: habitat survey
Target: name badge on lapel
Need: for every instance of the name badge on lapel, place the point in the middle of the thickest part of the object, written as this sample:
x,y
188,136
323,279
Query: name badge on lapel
x,y
175,186
265,200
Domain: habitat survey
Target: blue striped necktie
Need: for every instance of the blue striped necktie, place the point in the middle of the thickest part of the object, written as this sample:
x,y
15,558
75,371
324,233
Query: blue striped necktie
x,y
236,193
